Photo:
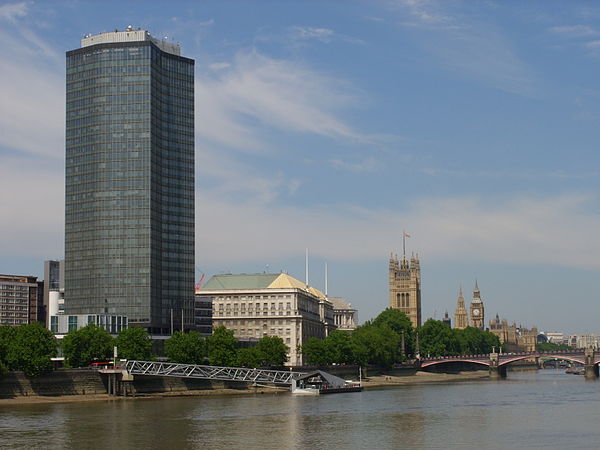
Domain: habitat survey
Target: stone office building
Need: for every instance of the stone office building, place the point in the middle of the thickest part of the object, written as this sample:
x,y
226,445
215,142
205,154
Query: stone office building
x,y
257,305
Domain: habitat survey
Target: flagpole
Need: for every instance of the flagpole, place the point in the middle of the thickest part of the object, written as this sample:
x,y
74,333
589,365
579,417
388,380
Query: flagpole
x,y
403,243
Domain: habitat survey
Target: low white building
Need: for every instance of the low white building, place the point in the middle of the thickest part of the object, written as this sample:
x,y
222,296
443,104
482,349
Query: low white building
x,y
257,305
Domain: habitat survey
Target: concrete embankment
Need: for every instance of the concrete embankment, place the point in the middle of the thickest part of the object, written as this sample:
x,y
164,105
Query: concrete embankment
x,y
88,385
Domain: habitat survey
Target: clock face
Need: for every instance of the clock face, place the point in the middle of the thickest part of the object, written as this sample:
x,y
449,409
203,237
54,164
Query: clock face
x,y
475,312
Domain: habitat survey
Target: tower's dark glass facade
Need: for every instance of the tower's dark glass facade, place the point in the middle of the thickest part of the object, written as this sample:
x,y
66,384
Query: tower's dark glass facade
x,y
129,217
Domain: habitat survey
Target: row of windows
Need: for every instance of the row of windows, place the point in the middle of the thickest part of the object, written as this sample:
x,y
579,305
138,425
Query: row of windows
x,y
124,118
13,287
107,90
90,81
5,306
76,73
14,297
14,294
104,112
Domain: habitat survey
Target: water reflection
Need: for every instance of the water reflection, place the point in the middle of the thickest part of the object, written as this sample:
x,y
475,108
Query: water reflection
x,y
528,410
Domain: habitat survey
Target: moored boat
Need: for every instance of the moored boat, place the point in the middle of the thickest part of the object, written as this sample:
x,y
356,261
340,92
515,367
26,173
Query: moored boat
x,y
319,382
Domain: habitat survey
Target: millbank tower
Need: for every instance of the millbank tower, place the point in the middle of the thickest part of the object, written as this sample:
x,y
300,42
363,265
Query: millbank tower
x,y
129,205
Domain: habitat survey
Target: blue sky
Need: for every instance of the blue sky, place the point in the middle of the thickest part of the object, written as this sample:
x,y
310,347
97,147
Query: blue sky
x,y
336,125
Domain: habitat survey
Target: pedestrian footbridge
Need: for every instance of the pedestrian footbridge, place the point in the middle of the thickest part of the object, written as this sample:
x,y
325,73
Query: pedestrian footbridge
x,y
164,369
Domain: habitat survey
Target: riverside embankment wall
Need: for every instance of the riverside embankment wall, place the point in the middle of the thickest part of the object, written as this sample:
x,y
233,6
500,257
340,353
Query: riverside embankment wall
x,y
89,382
66,382
57,383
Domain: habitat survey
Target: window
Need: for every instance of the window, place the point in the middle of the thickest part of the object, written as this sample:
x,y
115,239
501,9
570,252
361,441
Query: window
x,y
72,323
54,324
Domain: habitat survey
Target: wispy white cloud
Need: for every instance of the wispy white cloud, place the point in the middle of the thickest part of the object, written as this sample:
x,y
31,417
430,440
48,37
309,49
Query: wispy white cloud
x,y
32,90
321,34
574,30
219,65
593,44
517,230
325,35
369,164
13,11
259,92
466,45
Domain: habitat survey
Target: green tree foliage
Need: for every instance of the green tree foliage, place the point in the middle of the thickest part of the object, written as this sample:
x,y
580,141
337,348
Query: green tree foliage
x,y
30,348
87,345
473,341
186,348
375,345
316,352
401,324
3,369
222,347
376,342
339,347
134,343
437,339
248,357
272,351
549,346
7,333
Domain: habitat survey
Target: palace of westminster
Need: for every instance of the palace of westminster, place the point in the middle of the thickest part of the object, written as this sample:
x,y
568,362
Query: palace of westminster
x,y
405,295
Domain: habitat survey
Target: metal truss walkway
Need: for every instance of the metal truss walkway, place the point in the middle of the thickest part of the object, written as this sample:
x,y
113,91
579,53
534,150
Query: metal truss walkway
x,y
162,369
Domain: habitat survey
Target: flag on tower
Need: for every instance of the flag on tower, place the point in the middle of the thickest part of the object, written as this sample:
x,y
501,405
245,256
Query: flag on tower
x,y
406,234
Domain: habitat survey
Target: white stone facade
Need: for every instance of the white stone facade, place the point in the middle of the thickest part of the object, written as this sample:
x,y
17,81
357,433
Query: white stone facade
x,y
292,313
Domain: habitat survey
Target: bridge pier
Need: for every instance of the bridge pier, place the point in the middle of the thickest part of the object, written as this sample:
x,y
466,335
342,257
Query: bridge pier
x,y
591,369
496,370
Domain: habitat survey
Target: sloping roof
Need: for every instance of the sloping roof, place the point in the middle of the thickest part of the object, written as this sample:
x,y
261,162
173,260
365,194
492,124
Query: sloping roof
x,y
258,281
316,293
339,303
285,281
332,380
240,281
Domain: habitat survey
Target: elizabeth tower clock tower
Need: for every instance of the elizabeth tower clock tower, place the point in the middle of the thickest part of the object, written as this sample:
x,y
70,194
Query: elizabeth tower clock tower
x,y
477,312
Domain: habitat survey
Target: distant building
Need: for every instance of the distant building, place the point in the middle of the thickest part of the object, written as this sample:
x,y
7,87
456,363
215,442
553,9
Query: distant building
x,y
257,305
345,317
61,324
477,309
405,287
446,320
585,341
203,313
21,300
54,284
556,337
514,338
461,317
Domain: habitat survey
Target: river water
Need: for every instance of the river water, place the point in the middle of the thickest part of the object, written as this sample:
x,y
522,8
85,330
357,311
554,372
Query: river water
x,y
545,409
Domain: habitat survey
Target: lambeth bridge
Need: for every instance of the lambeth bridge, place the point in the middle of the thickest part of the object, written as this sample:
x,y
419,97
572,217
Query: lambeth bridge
x,y
498,362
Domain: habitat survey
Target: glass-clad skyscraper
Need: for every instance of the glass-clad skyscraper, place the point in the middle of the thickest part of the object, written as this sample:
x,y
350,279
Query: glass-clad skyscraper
x,y
129,218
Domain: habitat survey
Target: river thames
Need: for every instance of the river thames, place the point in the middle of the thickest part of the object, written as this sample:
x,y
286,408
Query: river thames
x,y
545,409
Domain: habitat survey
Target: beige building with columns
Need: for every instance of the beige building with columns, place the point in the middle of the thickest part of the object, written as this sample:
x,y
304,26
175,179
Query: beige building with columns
x,y
345,317
257,305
